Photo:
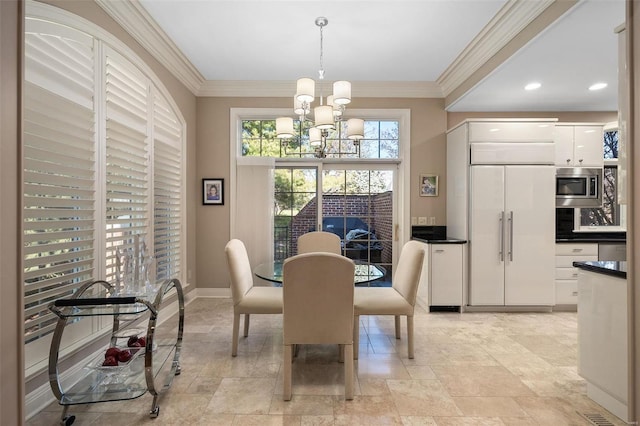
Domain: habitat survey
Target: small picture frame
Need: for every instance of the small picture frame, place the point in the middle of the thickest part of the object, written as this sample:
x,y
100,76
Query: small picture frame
x,y
213,192
428,185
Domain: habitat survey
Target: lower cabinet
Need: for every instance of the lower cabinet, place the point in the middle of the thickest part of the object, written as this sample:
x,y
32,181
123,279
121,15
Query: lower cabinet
x,y
446,267
444,274
566,273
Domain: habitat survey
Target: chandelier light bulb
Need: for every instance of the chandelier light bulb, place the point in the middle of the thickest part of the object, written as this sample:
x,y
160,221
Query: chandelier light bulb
x,y
315,136
306,89
355,128
300,108
323,116
284,127
341,92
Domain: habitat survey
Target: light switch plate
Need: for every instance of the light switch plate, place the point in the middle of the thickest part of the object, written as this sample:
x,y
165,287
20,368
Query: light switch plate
x,y
414,220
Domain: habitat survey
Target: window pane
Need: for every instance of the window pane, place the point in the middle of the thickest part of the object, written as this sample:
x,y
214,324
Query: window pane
x,y
381,141
609,214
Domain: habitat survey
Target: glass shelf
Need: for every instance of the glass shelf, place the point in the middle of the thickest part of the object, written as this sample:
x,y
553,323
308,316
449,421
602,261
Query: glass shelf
x,y
126,382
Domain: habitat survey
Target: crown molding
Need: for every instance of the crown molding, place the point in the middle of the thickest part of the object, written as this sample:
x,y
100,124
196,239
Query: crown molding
x,y
285,89
510,20
131,16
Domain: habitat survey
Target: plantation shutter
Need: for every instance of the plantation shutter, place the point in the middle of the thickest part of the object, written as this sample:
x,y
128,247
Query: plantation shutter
x,y
59,169
167,188
127,157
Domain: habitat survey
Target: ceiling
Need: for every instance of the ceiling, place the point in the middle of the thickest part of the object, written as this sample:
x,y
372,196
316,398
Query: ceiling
x,y
398,41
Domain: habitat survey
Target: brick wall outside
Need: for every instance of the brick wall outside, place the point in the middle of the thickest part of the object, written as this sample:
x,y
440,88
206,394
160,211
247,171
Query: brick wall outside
x,y
378,216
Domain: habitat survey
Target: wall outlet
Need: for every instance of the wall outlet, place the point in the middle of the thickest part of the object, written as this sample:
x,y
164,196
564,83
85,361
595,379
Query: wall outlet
x,y
422,220
414,220
432,220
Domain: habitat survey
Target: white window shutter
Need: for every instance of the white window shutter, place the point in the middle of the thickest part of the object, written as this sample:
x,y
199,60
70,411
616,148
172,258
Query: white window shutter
x,y
167,186
59,169
127,157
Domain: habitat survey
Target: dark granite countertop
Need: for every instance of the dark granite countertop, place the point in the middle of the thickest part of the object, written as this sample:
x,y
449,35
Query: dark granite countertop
x,y
439,241
592,237
606,267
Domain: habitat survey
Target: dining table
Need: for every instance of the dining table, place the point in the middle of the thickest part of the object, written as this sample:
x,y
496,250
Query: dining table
x,y
364,274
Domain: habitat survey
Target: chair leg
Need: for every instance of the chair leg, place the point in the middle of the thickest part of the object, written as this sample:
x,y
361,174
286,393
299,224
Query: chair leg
x,y
246,325
397,321
236,330
286,365
356,335
410,335
348,372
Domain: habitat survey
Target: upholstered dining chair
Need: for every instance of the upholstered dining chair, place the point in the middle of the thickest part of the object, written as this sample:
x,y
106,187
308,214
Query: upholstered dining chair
x,y
318,309
316,241
247,299
397,300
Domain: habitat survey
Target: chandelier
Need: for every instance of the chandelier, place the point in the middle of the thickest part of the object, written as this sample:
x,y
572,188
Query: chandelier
x,y
325,116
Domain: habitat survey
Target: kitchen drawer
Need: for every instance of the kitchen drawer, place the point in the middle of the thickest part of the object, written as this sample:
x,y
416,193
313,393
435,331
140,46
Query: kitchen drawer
x,y
567,261
577,249
566,273
566,292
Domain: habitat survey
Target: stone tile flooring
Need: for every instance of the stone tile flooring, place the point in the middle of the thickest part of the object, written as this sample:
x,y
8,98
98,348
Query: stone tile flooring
x,y
469,369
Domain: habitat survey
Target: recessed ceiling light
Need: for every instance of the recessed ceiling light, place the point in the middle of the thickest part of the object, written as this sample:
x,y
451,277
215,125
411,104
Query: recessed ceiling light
x,y
598,86
532,86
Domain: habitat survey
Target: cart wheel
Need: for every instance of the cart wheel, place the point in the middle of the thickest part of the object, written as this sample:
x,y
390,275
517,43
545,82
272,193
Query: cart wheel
x,y
178,370
68,420
154,413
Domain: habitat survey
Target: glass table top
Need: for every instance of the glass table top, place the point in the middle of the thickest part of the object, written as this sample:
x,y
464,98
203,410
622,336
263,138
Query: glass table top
x,y
364,273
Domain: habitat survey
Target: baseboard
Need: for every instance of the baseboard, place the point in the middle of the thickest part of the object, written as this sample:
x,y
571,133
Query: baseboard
x,y
507,308
213,292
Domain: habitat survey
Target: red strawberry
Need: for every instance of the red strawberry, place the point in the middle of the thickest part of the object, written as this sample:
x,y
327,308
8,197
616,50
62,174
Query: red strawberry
x,y
132,340
110,361
114,352
124,356
142,341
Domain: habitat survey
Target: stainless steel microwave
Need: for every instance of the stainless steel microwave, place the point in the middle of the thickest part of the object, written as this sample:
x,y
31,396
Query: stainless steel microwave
x,y
579,187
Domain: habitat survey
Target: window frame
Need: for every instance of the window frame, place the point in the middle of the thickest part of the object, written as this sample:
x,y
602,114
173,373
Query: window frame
x,y
607,162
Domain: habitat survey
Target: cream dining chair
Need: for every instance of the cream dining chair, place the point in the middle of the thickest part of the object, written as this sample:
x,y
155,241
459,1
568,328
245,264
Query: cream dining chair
x,y
247,299
318,309
319,241
397,300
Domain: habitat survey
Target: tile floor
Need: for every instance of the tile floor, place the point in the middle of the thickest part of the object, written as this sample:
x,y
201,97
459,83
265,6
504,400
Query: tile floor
x,y
469,369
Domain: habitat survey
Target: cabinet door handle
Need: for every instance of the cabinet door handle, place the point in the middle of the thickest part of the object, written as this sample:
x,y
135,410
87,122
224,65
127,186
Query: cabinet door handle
x,y
511,236
501,223
439,251
577,250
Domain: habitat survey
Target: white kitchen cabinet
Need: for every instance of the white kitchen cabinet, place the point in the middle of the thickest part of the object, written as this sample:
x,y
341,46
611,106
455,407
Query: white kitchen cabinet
x,y
512,239
579,145
603,358
566,274
447,272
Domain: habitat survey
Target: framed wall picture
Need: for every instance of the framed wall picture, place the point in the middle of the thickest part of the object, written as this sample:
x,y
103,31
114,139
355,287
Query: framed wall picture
x,y
428,185
213,192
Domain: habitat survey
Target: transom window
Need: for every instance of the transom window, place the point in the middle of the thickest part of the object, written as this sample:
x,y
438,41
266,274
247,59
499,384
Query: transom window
x,y
381,141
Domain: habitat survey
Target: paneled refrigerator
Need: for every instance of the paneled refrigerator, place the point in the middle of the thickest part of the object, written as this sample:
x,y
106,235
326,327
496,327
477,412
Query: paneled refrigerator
x,y
511,236
501,199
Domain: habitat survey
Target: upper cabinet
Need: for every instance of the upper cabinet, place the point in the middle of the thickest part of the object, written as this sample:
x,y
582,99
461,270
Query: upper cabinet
x,y
579,145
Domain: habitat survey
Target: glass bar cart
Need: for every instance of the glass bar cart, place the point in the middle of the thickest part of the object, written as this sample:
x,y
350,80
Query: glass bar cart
x,y
150,363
